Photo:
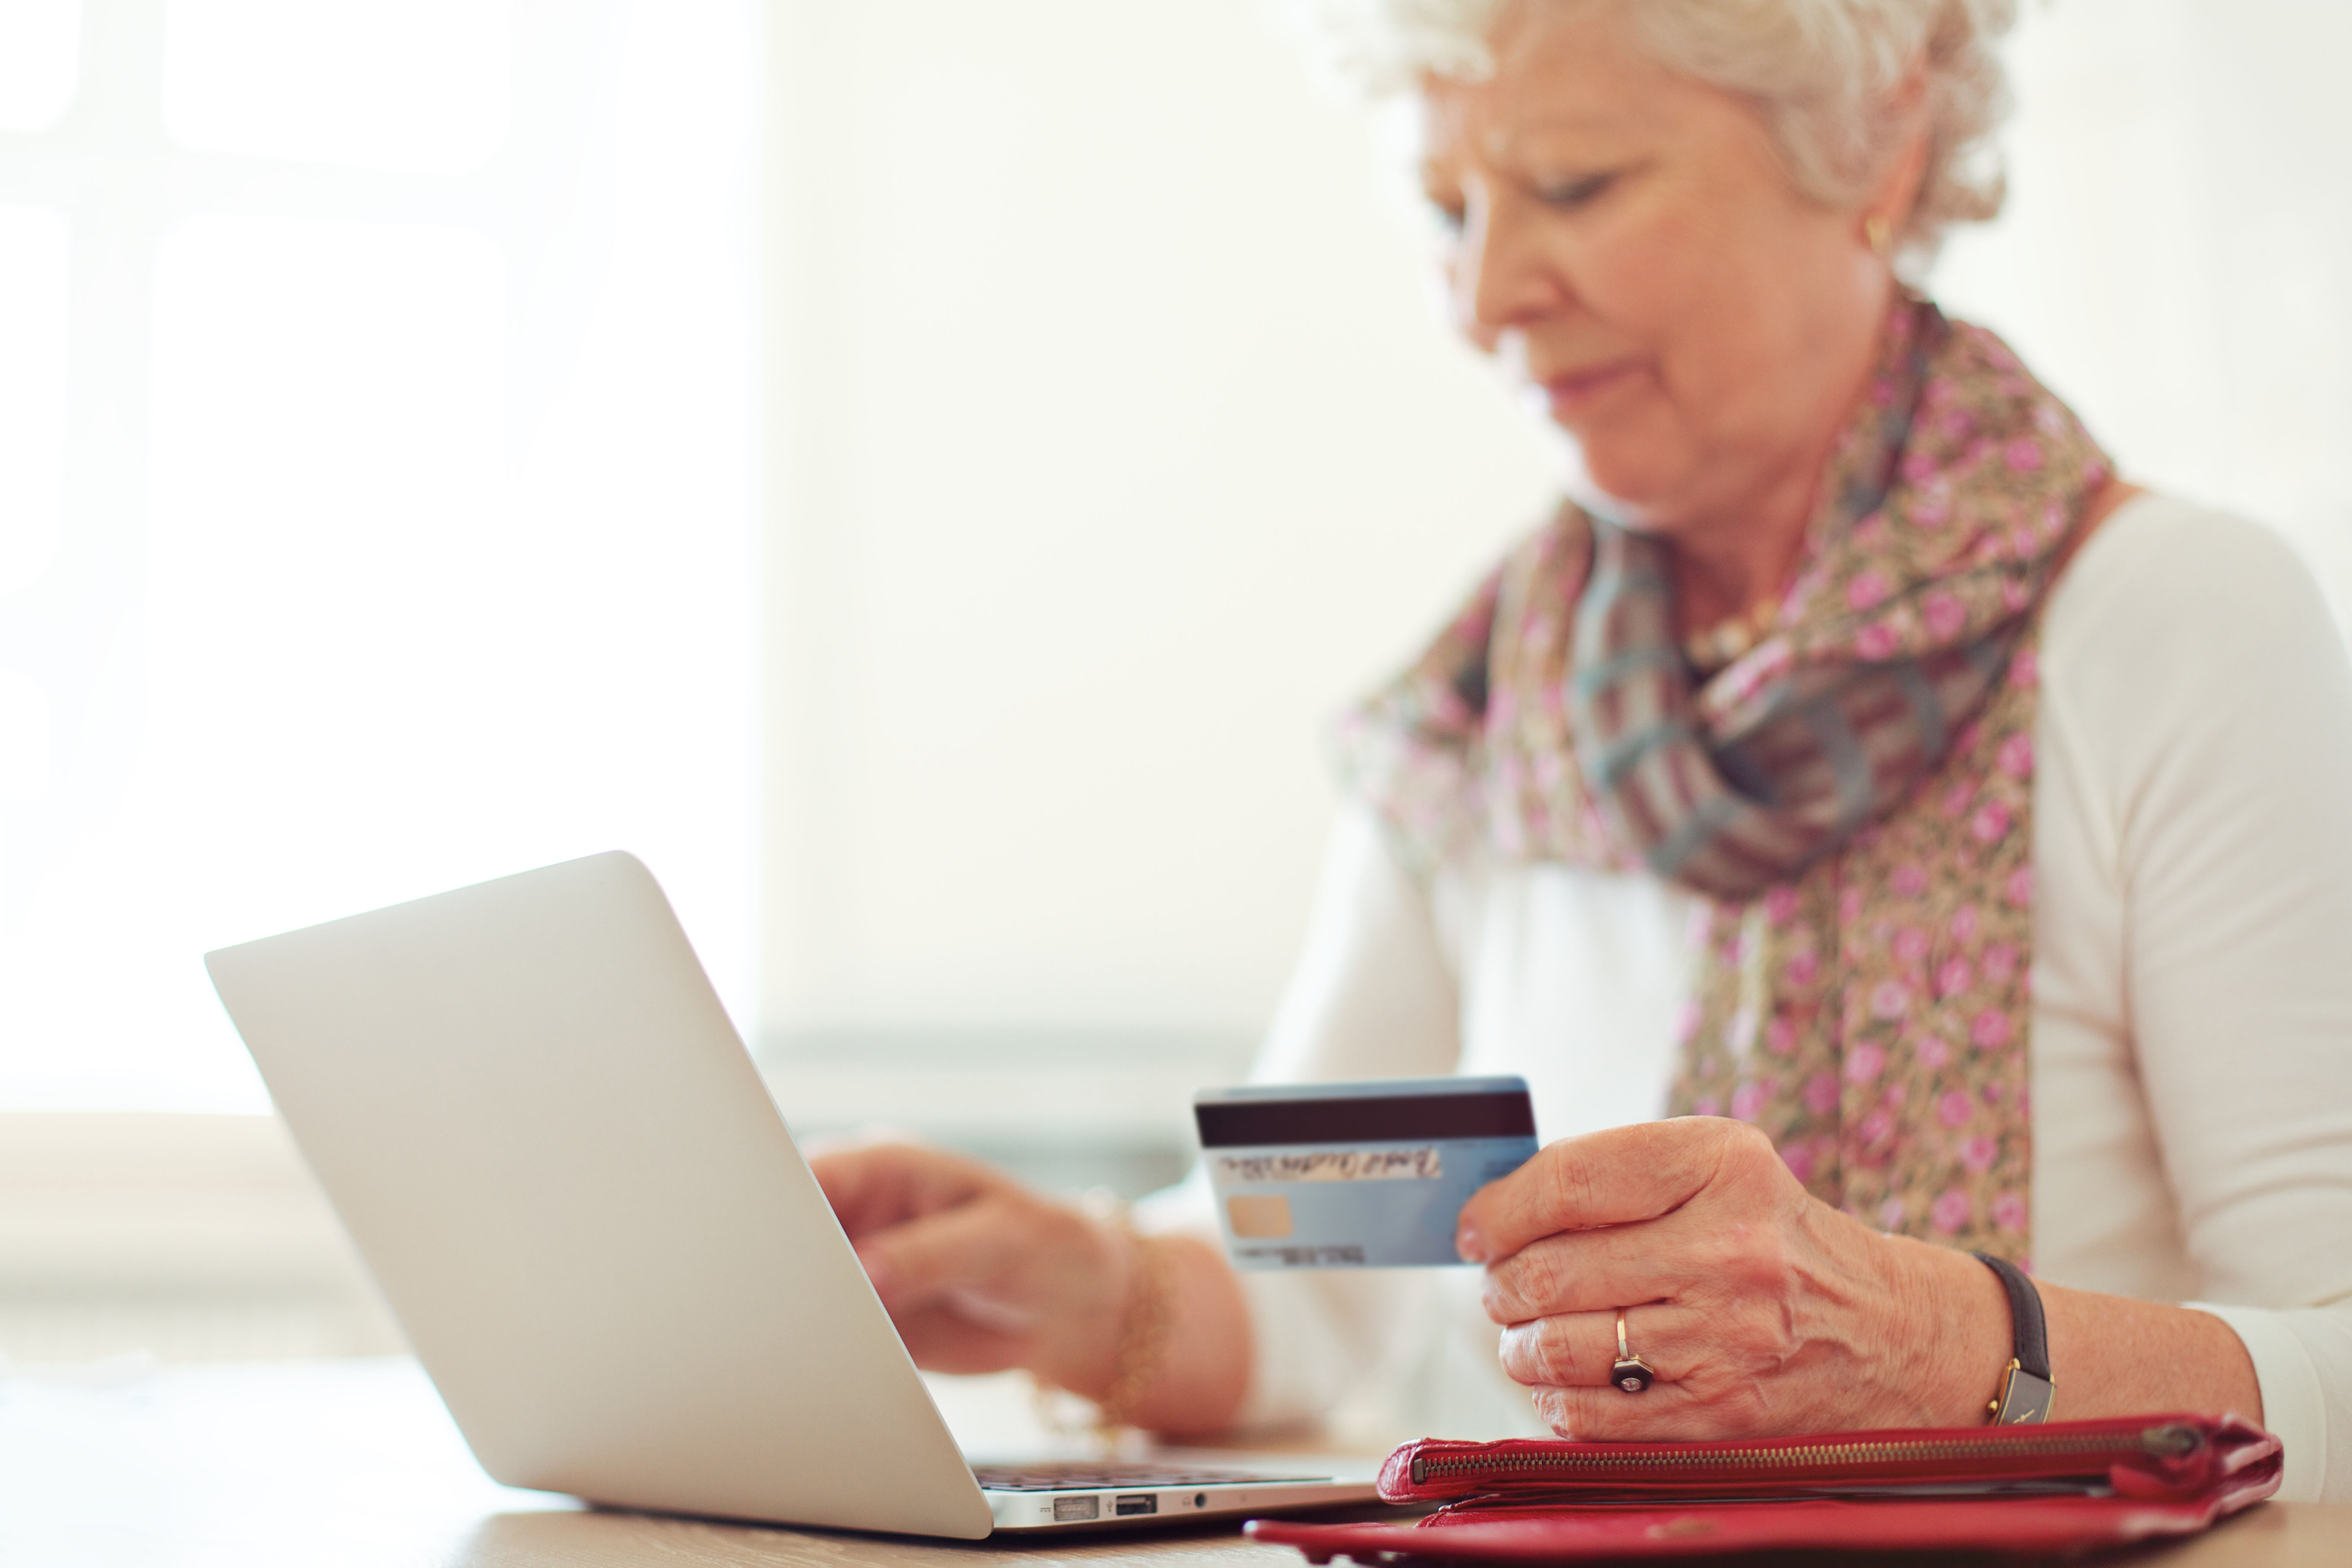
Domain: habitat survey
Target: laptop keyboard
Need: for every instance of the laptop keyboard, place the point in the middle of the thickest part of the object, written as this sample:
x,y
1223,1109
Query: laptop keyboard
x,y
1078,1475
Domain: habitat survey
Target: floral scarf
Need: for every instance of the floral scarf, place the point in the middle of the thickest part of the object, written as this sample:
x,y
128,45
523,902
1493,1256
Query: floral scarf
x,y
1852,797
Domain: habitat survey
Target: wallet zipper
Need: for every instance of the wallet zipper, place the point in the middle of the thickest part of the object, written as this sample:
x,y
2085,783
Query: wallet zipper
x,y
2168,1442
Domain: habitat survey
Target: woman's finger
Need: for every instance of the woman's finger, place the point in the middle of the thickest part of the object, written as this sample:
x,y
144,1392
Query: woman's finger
x,y
925,1259
875,1185
1576,1349
1615,1177
942,1339
1595,1271
865,1187
1668,1413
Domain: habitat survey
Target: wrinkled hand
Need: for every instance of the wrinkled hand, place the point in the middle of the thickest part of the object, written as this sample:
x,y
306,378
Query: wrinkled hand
x,y
979,1273
1761,1310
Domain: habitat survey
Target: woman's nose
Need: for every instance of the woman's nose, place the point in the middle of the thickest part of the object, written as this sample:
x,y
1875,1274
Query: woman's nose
x,y
1498,273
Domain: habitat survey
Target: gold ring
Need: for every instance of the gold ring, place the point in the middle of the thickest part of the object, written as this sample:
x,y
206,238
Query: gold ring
x,y
1630,1372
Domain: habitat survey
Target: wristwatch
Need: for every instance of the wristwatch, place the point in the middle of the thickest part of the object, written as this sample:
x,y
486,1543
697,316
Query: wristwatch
x,y
2026,1390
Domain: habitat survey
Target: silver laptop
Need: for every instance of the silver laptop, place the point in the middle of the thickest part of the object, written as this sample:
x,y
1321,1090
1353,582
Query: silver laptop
x,y
535,1119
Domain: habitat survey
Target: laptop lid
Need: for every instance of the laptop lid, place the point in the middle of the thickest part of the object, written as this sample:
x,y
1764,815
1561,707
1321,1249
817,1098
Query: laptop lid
x,y
531,1111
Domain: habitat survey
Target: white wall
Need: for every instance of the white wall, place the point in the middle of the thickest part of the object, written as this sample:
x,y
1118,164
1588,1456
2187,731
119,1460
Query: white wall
x,y
1115,449
2176,257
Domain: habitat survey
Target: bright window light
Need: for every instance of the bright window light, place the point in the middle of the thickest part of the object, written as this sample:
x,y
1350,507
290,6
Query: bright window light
x,y
33,248
414,85
40,57
24,743
442,566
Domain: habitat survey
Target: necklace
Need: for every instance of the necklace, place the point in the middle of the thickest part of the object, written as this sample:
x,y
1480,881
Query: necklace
x,y
1730,639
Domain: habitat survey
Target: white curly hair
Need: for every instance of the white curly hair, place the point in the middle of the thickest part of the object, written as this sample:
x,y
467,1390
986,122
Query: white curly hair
x,y
1831,77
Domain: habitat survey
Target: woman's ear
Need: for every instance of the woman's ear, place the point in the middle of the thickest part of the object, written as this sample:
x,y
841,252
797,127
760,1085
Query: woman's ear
x,y
1888,209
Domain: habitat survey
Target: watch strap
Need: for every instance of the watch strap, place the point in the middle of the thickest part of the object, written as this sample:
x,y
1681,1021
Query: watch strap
x,y
2027,1389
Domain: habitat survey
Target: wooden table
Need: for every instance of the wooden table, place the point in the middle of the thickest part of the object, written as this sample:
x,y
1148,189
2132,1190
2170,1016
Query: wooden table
x,y
354,1464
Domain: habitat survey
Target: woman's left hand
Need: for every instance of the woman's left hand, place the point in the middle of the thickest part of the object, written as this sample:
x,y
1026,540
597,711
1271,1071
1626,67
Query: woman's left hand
x,y
1760,1310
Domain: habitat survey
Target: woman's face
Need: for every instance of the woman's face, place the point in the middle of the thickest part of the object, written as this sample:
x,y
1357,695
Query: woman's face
x,y
1627,242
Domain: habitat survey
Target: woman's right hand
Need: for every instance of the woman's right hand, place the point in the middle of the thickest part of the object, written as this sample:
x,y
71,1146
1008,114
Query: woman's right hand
x,y
979,1273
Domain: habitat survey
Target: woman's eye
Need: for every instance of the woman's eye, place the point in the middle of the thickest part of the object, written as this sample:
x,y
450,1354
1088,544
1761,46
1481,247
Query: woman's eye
x,y
1574,193
1450,214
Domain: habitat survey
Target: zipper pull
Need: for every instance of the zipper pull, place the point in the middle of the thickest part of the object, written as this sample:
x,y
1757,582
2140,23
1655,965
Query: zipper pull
x,y
2172,1442
1419,1469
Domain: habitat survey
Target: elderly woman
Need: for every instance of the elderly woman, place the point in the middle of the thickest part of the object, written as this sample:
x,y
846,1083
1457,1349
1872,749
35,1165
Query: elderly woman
x,y
1855,770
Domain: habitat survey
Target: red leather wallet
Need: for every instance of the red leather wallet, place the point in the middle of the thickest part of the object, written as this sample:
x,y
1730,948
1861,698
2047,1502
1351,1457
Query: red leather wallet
x,y
2058,1489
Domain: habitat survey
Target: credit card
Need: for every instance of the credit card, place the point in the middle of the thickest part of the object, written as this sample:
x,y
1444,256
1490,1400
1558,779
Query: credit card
x,y
1356,1176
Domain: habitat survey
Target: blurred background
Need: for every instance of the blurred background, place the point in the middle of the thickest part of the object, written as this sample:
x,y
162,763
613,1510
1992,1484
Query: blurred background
x,y
921,475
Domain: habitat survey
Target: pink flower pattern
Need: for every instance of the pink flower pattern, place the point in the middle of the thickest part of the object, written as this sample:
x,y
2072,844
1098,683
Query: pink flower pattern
x,y
1897,1124
1951,1211
1898,1001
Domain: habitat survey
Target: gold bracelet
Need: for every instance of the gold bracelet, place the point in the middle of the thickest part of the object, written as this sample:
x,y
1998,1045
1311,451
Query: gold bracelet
x,y
1142,1329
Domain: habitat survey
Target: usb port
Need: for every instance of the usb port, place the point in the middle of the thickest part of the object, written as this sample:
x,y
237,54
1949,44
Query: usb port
x,y
1134,1502
1077,1510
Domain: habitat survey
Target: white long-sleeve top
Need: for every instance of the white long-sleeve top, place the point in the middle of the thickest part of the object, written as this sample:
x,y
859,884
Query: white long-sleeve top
x,y
2191,1050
